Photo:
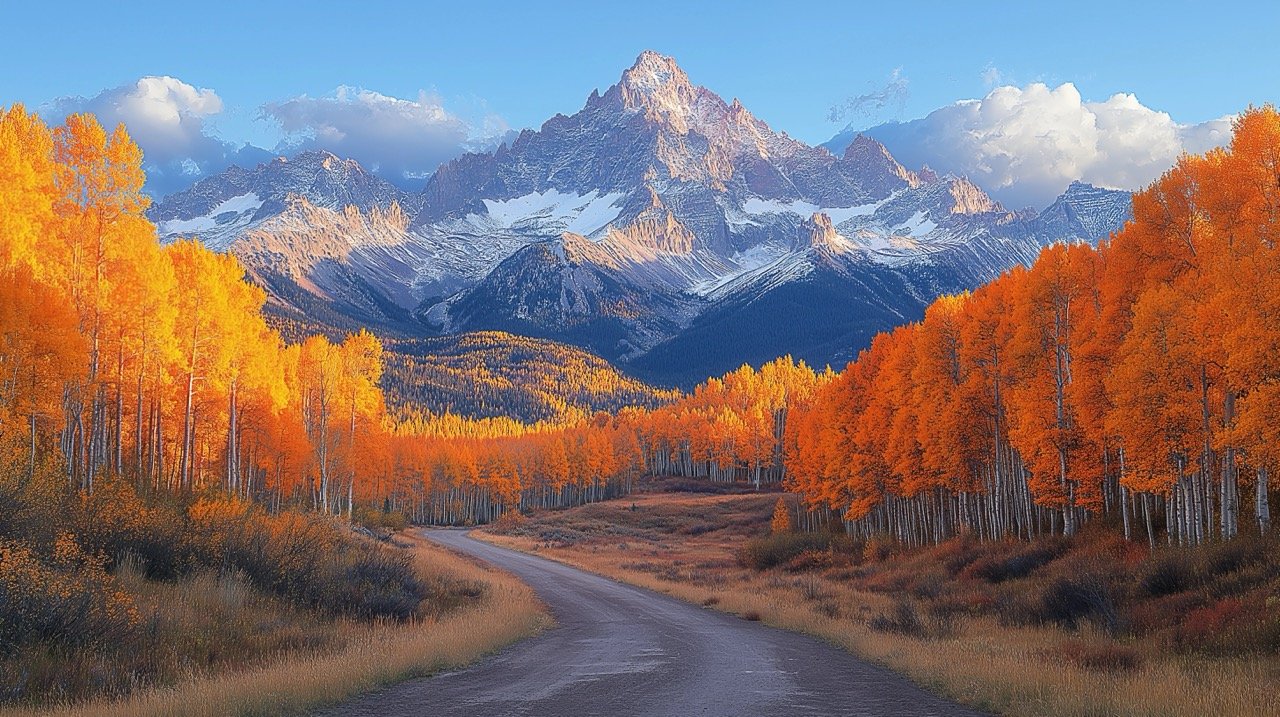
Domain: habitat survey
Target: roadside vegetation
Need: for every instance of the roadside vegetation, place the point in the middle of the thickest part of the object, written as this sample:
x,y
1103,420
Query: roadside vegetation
x,y
112,603
1086,625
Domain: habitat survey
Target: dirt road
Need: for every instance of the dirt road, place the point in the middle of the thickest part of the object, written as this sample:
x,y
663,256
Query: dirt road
x,y
619,650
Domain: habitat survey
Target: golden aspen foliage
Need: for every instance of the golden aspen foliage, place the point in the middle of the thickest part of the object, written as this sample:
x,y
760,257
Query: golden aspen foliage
x,y
781,521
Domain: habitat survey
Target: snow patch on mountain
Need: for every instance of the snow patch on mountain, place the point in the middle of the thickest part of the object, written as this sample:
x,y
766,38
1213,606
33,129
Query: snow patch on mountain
x,y
226,218
756,205
918,225
617,226
583,214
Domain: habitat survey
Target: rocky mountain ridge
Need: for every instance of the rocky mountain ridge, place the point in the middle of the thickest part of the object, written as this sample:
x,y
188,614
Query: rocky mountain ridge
x,y
656,214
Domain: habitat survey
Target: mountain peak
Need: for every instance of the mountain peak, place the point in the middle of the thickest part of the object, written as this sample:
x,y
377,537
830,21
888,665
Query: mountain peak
x,y
308,156
1079,188
656,85
652,69
866,143
875,168
968,198
820,230
322,159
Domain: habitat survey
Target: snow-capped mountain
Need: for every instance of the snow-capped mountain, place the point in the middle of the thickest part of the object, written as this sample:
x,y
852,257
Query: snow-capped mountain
x,y
657,221
222,208
1085,213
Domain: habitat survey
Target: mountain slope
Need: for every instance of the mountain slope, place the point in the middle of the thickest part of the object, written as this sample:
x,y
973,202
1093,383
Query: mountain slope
x,y
489,374
656,224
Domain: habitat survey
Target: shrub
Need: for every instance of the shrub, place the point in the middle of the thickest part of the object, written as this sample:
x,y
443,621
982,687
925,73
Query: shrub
x,y
829,608
309,560
377,583
1162,613
907,620
381,518
1168,574
958,553
904,620
1235,555
877,547
808,561
773,550
1099,656
114,521
1067,601
65,600
1230,626
812,588
1023,562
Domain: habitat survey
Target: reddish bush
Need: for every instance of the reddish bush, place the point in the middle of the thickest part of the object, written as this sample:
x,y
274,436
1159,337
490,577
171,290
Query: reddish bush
x,y
1211,628
1160,614
1098,656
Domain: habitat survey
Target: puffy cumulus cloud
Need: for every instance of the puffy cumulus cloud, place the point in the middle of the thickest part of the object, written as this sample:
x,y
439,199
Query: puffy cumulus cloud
x,y
1025,145
401,140
168,119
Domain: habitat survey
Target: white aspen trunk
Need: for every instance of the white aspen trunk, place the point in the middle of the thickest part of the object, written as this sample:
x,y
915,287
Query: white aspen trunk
x,y
1061,379
351,460
31,469
137,429
1124,511
233,439
1229,488
184,459
119,446
1263,509
1151,529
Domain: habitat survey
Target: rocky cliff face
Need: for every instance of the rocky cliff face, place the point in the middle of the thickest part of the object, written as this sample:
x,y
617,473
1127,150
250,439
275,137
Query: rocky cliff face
x,y
656,214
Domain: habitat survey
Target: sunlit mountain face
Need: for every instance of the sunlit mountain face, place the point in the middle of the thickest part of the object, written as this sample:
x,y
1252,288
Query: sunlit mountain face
x,y
660,227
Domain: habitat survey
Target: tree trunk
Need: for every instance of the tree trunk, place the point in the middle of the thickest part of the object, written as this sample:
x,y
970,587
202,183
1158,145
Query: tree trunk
x,y
233,439
1263,507
184,457
31,469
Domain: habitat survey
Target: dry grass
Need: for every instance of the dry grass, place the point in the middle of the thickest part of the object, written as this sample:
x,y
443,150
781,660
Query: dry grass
x,y
685,546
362,657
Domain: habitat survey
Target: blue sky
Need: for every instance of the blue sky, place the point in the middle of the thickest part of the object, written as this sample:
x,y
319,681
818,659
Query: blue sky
x,y
520,63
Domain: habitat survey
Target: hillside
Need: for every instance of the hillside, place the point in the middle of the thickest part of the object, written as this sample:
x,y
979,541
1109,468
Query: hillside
x,y
490,374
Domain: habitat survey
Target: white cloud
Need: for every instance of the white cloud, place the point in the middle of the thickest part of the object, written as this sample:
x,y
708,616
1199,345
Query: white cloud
x,y
1024,145
992,76
894,94
167,118
402,140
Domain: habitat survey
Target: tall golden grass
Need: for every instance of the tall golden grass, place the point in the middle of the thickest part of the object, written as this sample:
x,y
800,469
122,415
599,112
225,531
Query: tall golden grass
x,y
1004,669
370,656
